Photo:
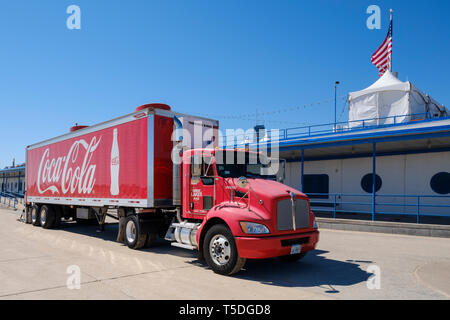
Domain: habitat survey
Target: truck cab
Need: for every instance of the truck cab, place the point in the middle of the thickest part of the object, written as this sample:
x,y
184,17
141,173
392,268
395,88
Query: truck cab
x,y
235,208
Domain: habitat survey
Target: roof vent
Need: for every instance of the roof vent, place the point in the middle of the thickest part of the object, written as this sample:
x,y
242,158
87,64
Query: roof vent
x,y
153,106
76,127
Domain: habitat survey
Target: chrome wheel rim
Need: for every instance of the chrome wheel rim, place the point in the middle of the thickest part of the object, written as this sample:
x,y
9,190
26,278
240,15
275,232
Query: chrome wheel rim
x,y
220,250
43,216
130,231
33,215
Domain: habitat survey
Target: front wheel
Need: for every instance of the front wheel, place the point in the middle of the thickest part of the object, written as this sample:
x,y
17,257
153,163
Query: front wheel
x,y
220,251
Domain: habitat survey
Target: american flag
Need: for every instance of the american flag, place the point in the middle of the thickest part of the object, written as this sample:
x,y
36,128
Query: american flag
x,y
382,58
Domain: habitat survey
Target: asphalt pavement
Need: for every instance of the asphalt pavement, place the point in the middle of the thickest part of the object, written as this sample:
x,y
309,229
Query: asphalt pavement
x,y
44,264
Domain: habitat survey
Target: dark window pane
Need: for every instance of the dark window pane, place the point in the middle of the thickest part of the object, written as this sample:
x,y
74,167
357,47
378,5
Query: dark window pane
x,y
440,183
316,183
207,202
367,183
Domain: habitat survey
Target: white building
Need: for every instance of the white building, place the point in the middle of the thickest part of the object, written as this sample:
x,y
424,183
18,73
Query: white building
x,y
390,161
12,180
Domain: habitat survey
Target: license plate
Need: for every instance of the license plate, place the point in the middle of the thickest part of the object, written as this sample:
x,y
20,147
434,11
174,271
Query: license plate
x,y
296,248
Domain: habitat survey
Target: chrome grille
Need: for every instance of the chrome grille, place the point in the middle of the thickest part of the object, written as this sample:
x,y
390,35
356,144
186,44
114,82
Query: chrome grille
x,y
284,214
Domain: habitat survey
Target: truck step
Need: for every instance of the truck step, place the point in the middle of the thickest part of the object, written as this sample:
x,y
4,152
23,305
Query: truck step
x,y
182,245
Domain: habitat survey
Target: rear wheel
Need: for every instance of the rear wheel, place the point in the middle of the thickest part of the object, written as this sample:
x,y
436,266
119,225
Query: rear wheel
x,y
220,251
35,221
293,257
47,217
133,237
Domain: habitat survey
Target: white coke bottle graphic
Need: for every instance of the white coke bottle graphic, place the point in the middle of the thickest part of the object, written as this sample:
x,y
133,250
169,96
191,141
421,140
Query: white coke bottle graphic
x,y
115,165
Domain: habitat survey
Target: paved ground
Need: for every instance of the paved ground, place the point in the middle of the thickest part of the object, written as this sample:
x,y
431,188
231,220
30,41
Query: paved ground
x,y
34,262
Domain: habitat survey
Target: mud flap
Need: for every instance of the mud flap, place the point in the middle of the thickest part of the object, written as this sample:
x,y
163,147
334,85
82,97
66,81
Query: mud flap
x,y
121,233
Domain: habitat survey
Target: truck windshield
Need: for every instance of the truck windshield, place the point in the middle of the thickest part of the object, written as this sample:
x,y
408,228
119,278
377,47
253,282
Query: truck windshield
x,y
235,164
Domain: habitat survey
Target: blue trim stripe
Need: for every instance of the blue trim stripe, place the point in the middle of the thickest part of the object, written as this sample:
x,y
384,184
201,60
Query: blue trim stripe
x,y
411,134
368,155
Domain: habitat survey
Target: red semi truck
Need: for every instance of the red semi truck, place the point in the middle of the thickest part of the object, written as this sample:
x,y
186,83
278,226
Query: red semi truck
x,y
149,171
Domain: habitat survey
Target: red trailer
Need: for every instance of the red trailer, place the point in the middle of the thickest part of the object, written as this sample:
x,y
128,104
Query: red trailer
x,y
163,175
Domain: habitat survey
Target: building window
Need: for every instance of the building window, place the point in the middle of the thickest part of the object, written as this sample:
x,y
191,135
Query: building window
x,y
440,183
316,183
367,183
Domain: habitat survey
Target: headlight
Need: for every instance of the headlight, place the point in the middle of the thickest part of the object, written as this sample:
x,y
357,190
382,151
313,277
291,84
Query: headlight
x,y
254,228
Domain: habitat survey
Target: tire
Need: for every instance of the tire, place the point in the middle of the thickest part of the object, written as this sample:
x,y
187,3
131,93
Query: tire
x,y
132,233
293,257
35,219
220,251
47,217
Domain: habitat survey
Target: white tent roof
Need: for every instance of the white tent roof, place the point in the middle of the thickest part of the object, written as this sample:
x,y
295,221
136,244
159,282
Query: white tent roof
x,y
388,82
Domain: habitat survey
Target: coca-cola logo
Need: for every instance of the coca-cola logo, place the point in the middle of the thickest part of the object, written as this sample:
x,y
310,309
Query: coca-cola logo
x,y
62,174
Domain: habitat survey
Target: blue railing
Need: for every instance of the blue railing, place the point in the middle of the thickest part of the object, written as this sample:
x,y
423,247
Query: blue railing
x,y
10,200
407,205
338,127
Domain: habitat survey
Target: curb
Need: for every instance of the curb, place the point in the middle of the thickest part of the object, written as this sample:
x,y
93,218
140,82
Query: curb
x,y
424,230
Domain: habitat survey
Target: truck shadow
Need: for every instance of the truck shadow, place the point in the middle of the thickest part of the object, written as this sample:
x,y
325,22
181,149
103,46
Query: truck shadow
x,y
314,270
110,234
92,230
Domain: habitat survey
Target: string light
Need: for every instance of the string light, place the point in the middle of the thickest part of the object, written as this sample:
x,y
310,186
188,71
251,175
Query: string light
x,y
251,116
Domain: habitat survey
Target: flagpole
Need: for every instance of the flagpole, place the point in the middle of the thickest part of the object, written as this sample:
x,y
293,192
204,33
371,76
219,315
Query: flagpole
x,y
392,35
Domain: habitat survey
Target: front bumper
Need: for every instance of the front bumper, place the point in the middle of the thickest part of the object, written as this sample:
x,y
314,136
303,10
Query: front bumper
x,y
274,246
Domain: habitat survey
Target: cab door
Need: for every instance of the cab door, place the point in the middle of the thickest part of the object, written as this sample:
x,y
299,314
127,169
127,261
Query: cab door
x,y
202,186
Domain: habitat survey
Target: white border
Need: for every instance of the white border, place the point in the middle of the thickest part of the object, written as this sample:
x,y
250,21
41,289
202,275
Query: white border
x,y
150,159
112,123
90,201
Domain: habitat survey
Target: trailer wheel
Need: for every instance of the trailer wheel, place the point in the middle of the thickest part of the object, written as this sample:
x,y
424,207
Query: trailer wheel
x,y
133,237
47,217
35,221
220,251
293,257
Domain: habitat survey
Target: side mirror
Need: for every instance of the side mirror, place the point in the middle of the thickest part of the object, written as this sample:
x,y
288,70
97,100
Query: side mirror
x,y
242,182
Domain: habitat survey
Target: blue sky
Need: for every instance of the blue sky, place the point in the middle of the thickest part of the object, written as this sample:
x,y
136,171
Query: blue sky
x,y
216,58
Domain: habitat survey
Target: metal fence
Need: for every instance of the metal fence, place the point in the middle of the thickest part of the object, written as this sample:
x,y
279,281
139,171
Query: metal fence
x,y
330,128
417,206
340,127
11,200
